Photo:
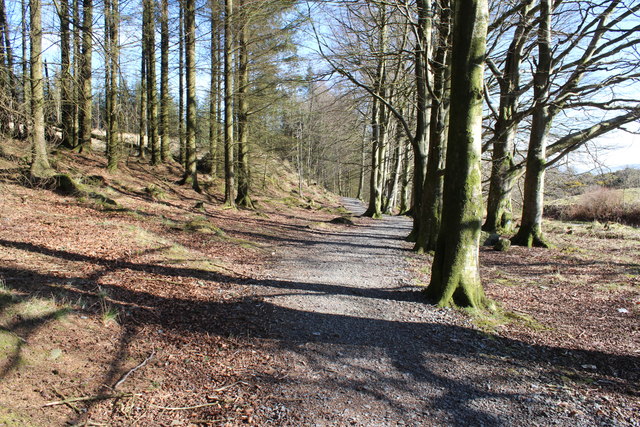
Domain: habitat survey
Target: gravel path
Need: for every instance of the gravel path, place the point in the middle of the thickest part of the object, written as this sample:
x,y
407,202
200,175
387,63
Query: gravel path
x,y
360,347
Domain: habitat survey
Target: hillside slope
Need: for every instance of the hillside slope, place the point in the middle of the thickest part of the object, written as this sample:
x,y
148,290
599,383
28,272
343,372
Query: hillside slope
x,y
148,273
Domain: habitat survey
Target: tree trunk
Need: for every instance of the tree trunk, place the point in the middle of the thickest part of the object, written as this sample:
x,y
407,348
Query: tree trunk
x,y
421,140
181,140
66,98
191,176
396,166
374,210
26,88
40,167
229,170
362,164
530,232
405,181
455,275
433,187
86,99
143,105
152,90
77,73
213,89
503,175
165,142
243,198
111,62
8,78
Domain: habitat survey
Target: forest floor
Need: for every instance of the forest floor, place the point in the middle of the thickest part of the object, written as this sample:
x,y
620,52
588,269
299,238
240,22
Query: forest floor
x,y
166,309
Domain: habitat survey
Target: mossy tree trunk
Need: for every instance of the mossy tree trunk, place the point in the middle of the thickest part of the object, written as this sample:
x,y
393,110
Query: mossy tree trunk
x,y
431,206
455,277
243,198
530,232
229,167
600,48
40,167
86,97
165,142
191,176
503,171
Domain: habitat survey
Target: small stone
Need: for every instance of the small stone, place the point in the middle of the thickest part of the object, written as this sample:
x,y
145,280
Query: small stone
x,y
502,245
490,239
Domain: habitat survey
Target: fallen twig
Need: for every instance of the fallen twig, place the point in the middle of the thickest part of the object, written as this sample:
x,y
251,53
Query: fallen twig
x,y
184,408
203,405
223,388
124,377
89,398
63,397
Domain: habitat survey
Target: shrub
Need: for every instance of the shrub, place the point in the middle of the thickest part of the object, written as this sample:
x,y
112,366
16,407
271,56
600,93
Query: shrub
x,y
600,204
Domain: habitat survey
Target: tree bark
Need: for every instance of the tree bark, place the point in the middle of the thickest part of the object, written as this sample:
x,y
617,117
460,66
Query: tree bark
x,y
85,118
362,165
396,167
229,169
66,98
26,88
503,175
433,187
455,276
405,181
374,209
152,91
165,142
213,88
40,167
8,79
181,139
191,176
77,73
421,137
111,62
243,199
530,231
142,146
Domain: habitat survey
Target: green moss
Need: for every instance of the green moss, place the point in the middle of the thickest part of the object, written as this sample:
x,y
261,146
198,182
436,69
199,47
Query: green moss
x,y
65,184
203,226
10,418
155,192
8,343
496,318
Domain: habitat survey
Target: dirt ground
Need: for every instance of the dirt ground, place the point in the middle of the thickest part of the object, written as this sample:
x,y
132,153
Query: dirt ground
x,y
169,310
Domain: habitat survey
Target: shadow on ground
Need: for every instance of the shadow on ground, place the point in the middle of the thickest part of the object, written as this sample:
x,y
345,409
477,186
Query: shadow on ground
x,y
433,346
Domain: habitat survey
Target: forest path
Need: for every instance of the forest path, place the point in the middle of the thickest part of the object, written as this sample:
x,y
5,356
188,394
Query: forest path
x,y
359,346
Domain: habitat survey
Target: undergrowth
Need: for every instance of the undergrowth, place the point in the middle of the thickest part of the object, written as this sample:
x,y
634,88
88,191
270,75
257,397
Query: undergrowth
x,y
599,204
